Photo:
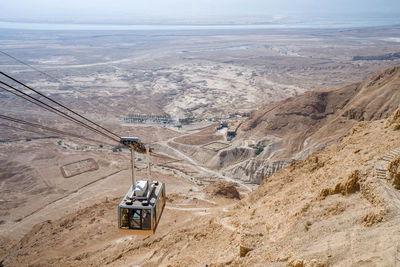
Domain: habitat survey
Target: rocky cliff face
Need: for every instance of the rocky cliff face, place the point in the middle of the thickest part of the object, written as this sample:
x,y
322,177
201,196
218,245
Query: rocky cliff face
x,y
307,123
254,170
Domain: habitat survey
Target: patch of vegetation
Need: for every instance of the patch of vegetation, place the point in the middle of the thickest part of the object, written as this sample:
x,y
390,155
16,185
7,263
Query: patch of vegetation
x,y
307,225
390,56
259,150
186,121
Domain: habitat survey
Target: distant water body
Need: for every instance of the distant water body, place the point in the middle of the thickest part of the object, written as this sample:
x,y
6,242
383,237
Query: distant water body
x,y
117,27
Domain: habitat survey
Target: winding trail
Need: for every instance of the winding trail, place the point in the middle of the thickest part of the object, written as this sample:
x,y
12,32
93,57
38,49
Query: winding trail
x,y
382,173
201,168
166,143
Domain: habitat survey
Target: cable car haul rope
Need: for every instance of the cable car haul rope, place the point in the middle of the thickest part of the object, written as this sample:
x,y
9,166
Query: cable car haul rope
x,y
140,210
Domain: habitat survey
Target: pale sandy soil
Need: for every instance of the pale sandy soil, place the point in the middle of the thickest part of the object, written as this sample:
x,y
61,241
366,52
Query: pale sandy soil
x,y
324,210
296,217
191,74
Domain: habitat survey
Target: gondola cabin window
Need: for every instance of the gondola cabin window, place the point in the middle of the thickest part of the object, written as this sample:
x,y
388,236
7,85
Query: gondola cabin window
x,y
140,213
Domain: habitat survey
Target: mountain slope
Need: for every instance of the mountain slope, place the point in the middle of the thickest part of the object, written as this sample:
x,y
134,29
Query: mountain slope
x,y
294,128
336,208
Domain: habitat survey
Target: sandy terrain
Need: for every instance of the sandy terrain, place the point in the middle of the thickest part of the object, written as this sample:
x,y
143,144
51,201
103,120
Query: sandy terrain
x,y
324,210
97,197
205,74
66,175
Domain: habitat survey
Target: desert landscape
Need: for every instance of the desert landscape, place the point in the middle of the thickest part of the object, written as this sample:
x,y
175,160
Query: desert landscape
x,y
201,74
278,147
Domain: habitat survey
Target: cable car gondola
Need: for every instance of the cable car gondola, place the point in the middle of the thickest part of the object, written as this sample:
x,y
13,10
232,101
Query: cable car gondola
x,y
140,210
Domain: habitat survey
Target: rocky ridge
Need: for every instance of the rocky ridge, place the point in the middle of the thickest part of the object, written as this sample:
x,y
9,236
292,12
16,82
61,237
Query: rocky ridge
x,y
298,126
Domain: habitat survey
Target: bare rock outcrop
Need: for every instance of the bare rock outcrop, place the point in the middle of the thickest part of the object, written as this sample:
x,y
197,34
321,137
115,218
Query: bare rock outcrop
x,y
394,120
309,122
230,156
394,171
305,263
244,250
373,217
224,190
347,187
255,170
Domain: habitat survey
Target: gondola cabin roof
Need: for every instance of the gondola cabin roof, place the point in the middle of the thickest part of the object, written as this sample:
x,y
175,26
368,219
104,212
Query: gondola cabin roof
x,y
139,203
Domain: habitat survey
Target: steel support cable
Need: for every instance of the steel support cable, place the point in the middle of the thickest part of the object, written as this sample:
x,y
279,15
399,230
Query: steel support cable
x,y
33,102
38,70
21,129
26,64
11,78
46,128
58,112
49,129
62,133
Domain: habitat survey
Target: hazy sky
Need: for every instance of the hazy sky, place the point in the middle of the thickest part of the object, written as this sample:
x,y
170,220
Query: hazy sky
x,y
86,10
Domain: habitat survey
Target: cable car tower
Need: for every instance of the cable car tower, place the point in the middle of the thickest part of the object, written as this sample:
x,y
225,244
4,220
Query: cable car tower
x,y
140,210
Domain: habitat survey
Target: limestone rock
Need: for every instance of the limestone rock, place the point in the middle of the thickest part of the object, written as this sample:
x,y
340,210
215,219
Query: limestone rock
x,y
350,186
372,218
296,263
244,250
227,190
394,171
394,120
